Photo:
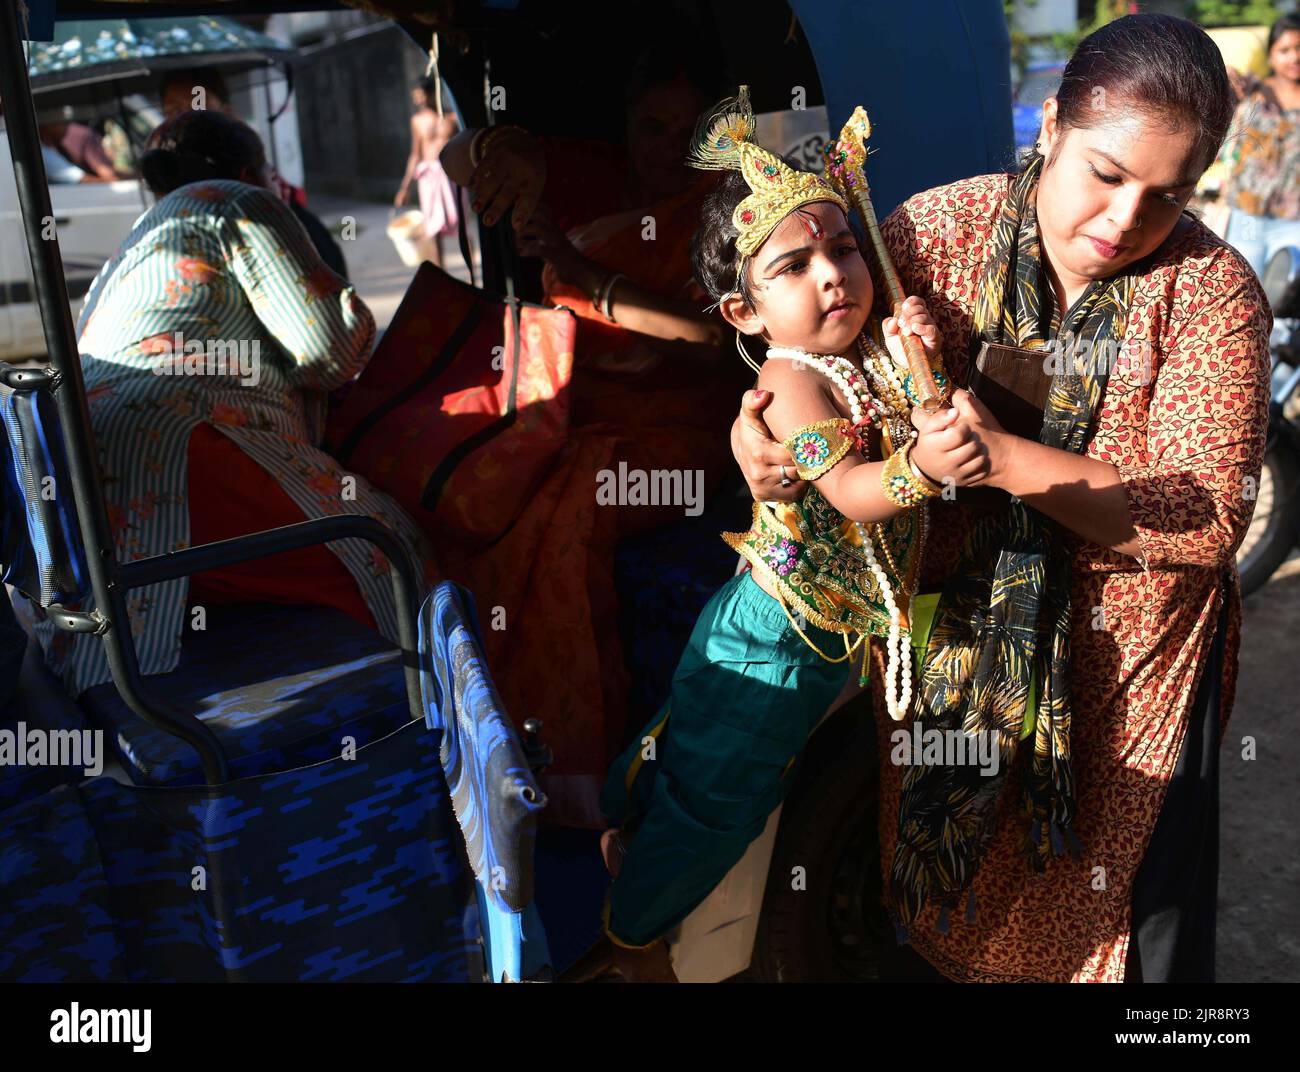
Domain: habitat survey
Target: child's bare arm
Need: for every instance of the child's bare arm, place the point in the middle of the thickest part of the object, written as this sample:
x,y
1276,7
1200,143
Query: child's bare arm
x,y
412,161
800,397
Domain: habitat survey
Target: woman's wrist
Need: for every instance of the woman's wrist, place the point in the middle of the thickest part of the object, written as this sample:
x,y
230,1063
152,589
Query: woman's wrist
x,y
489,135
486,137
587,276
1003,466
604,303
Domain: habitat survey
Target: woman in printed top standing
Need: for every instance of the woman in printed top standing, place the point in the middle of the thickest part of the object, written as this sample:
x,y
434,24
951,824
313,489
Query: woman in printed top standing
x,y
1262,154
1111,584
208,344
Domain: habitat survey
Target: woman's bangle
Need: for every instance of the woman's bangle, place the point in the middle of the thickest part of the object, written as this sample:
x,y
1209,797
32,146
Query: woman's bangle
x,y
474,144
600,299
901,483
488,136
607,303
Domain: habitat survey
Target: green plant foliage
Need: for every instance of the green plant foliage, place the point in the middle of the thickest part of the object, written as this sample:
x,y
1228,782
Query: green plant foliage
x,y
1233,12
1065,42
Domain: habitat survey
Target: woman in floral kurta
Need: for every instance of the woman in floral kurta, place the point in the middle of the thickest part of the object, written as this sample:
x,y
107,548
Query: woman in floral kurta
x,y
1185,435
1180,431
1261,158
223,262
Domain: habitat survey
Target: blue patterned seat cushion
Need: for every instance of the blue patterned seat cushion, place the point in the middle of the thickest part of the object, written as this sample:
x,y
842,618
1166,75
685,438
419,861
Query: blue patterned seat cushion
x,y
280,686
19,782
343,871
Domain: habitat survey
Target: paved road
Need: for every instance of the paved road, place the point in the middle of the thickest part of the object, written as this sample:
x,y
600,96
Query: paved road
x,y
1259,879
373,263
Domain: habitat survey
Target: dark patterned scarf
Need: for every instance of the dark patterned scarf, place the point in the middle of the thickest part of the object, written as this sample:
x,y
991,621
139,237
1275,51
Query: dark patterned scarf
x,y
1004,616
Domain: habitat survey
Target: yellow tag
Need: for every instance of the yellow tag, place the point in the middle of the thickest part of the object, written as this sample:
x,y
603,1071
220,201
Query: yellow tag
x,y
922,610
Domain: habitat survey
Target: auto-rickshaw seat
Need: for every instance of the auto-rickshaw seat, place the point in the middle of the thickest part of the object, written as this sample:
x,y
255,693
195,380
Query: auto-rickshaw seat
x,y
291,694
280,686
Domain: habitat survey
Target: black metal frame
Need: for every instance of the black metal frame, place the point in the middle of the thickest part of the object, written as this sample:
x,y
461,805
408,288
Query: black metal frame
x,y
110,580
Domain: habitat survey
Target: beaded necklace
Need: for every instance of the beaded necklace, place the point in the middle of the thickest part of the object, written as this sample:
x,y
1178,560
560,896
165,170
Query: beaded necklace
x,y
852,384
885,379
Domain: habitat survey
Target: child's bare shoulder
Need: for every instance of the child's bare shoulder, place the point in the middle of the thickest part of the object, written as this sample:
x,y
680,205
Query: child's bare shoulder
x,y
781,374
800,395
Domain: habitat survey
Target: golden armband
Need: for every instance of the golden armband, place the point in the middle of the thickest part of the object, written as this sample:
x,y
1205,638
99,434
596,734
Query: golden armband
x,y
818,447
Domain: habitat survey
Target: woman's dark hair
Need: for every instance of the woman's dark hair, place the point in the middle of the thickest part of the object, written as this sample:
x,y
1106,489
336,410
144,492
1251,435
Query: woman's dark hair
x,y
664,61
428,86
200,145
1286,24
210,78
1161,65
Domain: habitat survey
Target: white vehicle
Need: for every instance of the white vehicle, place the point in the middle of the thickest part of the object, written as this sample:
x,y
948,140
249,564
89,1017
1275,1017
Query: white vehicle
x,y
93,218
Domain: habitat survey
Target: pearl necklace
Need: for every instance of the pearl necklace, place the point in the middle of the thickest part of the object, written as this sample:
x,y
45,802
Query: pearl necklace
x,y
881,364
846,376
851,382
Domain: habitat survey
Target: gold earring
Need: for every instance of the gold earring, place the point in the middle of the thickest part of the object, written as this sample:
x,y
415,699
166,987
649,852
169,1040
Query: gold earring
x,y
740,346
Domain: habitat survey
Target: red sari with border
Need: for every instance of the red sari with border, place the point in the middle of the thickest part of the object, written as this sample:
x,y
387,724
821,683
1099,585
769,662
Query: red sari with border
x,y
545,591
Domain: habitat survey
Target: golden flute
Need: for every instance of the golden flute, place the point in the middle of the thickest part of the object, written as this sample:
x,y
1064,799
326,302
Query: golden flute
x,y
845,161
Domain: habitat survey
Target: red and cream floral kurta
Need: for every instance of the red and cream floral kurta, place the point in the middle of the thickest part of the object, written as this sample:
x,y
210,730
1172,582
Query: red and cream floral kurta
x,y
1184,421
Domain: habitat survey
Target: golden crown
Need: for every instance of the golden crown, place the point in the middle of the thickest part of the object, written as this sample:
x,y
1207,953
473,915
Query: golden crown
x,y
724,141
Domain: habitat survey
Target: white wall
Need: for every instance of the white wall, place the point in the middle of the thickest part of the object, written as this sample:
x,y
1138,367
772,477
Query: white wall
x,y
1046,16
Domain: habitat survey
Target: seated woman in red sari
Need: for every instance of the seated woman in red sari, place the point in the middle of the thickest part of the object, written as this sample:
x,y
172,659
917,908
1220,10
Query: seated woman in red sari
x,y
651,389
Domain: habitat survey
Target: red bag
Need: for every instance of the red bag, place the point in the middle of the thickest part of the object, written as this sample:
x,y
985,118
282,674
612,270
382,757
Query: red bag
x,y
451,417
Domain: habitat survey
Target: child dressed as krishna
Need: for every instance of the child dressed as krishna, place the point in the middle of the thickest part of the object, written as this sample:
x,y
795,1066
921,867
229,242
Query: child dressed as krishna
x,y
766,657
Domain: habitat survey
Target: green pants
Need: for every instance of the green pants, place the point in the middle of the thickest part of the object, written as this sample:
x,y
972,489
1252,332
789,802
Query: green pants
x,y
698,784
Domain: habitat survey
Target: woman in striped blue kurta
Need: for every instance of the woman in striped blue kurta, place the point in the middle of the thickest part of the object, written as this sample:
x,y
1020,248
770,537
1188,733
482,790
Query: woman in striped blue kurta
x,y
217,310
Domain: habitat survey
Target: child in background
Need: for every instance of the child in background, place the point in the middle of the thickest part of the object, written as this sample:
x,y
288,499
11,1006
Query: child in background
x,y
765,659
431,129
